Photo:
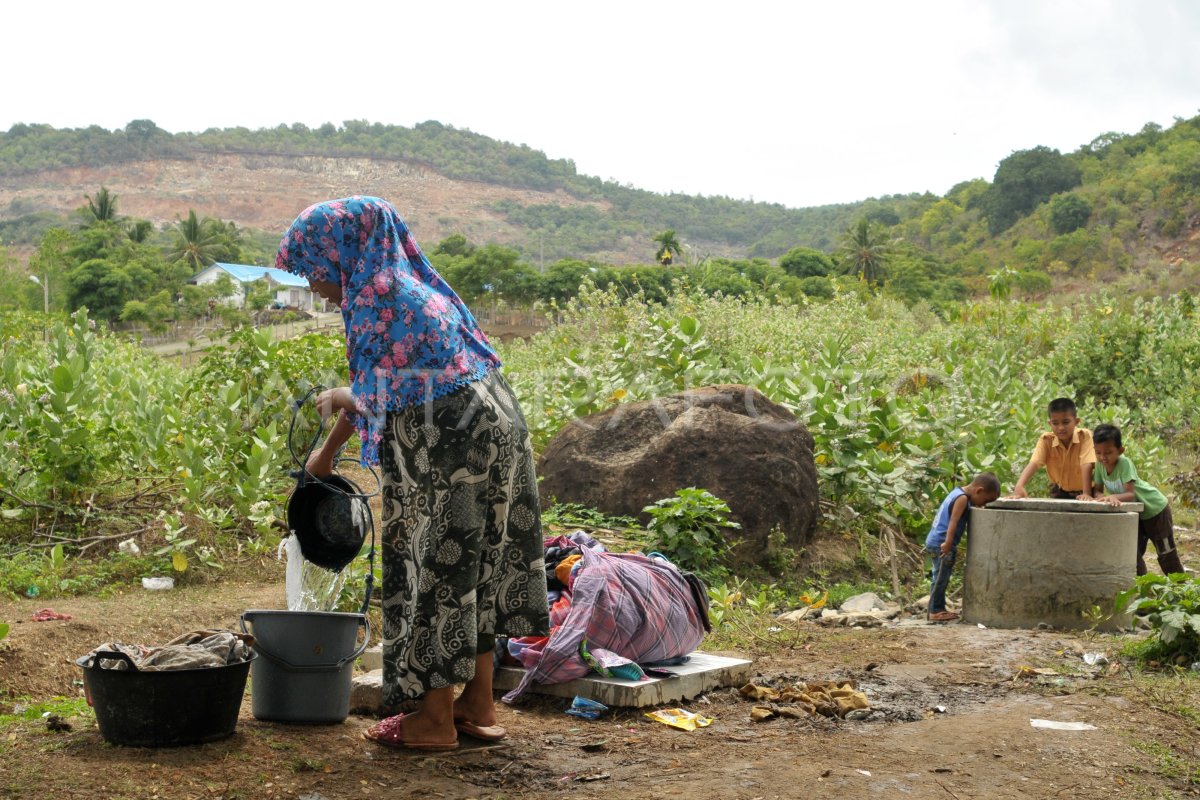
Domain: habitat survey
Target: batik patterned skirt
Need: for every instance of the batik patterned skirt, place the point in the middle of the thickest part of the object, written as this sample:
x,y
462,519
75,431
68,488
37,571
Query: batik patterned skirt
x,y
462,542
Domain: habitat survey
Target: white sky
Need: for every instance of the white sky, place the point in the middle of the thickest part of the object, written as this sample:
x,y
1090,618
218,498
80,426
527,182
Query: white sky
x,y
801,103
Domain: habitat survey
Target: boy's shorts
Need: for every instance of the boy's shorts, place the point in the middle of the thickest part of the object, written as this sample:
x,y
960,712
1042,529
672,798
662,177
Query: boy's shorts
x,y
1058,493
1159,529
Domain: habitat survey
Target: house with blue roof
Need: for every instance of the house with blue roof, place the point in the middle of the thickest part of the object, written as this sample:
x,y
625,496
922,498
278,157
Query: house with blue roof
x,y
291,291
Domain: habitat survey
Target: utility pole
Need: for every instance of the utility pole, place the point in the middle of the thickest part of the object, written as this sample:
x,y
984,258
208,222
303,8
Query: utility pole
x,y
45,284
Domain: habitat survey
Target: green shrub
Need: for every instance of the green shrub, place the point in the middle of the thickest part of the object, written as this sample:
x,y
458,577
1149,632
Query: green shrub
x,y
1171,604
1069,212
689,528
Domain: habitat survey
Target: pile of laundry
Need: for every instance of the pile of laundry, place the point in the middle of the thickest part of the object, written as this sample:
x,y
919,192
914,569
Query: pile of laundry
x,y
609,612
840,699
194,650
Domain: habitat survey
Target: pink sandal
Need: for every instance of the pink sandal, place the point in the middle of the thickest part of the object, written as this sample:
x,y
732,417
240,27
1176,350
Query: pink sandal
x,y
389,732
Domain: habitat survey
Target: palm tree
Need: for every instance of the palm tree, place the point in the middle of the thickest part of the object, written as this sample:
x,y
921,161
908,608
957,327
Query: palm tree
x,y
669,247
865,251
195,242
139,230
102,207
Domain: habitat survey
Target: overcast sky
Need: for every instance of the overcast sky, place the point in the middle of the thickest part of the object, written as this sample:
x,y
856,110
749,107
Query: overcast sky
x,y
800,103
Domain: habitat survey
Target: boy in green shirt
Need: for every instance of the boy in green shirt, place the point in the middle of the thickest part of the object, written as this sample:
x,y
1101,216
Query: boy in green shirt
x,y
1115,475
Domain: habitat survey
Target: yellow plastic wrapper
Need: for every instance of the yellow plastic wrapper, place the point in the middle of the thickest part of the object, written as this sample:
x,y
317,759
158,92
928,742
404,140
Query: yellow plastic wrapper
x,y
678,718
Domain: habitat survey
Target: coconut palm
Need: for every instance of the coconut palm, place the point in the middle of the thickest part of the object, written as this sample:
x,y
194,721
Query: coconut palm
x,y
669,248
865,251
195,242
139,230
103,206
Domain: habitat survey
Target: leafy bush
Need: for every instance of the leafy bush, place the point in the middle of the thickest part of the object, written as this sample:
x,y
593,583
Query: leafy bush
x,y
97,433
1069,212
1171,604
689,528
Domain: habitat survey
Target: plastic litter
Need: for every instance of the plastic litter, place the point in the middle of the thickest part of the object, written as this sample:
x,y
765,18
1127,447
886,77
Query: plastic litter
x,y
679,718
1061,726
48,614
609,664
129,546
1095,659
588,709
158,584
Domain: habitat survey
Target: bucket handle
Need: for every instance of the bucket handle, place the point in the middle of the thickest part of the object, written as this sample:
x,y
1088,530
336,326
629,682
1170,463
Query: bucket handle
x,y
290,667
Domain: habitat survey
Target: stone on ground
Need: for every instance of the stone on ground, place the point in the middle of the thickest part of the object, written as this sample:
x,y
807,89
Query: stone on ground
x,y
731,440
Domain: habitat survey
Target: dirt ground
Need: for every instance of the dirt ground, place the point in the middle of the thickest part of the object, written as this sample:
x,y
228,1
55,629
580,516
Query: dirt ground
x,y
953,721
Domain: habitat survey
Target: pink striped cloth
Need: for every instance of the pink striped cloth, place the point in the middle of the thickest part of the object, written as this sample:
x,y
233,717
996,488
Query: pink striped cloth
x,y
637,607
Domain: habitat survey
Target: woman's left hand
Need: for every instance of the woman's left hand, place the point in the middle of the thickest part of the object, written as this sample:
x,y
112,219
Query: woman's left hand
x,y
334,400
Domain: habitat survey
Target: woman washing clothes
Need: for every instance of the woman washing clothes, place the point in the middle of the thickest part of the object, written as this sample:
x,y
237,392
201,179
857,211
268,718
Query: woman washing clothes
x,y
462,544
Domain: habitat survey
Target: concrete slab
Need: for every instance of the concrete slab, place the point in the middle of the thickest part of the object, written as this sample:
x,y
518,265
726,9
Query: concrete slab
x,y
372,658
1070,506
702,673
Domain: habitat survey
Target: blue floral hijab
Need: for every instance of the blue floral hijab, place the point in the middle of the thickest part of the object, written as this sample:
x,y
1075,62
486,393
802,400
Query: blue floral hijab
x,y
409,338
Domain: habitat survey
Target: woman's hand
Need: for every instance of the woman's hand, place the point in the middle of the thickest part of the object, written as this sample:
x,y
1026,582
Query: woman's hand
x,y
331,401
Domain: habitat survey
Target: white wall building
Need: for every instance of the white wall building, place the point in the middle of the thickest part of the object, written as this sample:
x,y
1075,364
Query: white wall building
x,y
291,291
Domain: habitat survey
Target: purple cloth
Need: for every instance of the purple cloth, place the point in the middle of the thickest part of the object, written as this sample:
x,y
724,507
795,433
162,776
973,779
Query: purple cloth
x,y
637,607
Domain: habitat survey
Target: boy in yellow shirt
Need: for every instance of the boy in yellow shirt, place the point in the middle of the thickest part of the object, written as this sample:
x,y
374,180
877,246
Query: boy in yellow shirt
x,y
1066,453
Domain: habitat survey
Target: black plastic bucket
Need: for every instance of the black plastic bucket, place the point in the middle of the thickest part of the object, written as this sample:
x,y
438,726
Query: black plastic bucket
x,y
330,518
165,708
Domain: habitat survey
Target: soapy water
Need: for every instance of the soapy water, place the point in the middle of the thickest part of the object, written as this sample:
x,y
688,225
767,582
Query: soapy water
x,y
309,587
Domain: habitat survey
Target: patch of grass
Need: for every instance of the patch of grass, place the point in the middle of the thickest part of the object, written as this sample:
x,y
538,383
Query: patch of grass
x,y
747,631
25,710
568,514
1173,692
40,576
1170,763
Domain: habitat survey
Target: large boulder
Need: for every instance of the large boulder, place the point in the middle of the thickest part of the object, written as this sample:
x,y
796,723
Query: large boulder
x,y
731,440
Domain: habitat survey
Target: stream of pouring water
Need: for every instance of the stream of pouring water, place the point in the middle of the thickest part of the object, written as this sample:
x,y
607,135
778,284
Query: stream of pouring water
x,y
309,587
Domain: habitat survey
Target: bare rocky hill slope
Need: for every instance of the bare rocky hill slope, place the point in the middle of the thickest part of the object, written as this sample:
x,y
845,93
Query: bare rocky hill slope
x,y
267,191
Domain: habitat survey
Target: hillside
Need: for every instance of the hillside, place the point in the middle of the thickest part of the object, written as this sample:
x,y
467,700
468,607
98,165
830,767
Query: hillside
x,y
1122,209
267,191
444,180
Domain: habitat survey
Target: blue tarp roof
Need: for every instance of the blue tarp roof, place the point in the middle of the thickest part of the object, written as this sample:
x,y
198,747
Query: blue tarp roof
x,y
246,273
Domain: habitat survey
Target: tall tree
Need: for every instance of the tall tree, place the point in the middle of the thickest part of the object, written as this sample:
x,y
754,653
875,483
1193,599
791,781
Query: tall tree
x,y
805,262
1025,180
196,244
865,251
102,206
668,247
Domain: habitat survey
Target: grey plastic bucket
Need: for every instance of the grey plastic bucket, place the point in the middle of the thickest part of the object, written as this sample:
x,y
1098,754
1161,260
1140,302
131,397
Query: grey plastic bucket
x,y
306,664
